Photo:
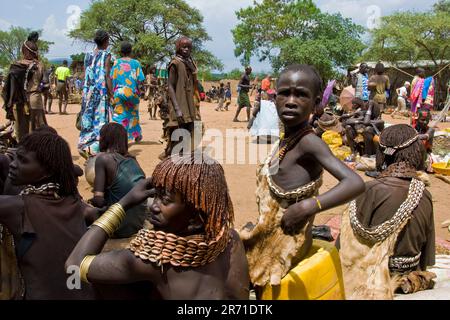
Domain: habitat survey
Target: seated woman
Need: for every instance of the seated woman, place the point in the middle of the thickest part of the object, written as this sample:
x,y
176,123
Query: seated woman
x,y
193,252
389,229
426,134
46,219
289,181
362,126
116,173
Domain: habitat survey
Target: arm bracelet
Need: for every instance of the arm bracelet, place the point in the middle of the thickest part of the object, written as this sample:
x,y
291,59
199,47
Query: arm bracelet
x,y
84,268
111,219
318,203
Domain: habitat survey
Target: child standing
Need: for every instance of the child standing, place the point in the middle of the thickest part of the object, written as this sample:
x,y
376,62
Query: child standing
x,y
289,182
221,96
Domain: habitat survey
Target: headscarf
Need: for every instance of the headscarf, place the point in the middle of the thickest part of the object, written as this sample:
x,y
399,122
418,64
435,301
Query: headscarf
x,y
30,50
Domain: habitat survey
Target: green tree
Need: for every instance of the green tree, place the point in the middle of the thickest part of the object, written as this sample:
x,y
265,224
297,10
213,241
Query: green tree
x,y
152,27
79,57
296,31
234,74
442,6
11,42
414,36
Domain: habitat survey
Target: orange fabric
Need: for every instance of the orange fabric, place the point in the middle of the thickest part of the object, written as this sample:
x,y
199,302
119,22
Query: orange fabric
x,y
265,84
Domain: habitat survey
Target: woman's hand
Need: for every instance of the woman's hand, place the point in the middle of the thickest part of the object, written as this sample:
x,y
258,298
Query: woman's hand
x,y
296,216
141,192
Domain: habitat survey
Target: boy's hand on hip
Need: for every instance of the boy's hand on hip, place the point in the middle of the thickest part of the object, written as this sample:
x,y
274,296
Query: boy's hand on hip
x,y
297,216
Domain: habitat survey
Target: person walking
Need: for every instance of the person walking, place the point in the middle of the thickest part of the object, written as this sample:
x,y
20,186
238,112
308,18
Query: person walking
x,y
97,94
62,74
127,75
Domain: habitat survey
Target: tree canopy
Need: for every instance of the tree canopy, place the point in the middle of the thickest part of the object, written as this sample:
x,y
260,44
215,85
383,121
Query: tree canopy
x,y
442,6
11,42
152,26
296,31
413,36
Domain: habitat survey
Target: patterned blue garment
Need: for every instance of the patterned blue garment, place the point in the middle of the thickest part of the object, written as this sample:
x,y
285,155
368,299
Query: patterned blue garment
x,y
95,108
362,87
365,87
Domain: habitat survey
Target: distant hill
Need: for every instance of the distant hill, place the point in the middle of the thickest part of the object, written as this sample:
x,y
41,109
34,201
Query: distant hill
x,y
59,61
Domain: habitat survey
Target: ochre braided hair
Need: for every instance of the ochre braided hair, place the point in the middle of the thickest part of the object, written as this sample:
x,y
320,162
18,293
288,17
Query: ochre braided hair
x,y
53,154
201,182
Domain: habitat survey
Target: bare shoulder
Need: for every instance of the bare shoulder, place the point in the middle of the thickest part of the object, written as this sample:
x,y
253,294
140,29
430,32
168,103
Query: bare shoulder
x,y
103,158
312,144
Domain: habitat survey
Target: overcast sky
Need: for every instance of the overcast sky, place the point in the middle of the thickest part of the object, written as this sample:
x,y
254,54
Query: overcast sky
x,y
56,17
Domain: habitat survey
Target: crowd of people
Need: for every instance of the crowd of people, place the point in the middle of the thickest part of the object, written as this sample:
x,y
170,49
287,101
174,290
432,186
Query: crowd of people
x,y
178,223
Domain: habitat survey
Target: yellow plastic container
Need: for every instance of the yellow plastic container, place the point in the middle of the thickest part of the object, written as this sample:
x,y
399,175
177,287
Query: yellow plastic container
x,y
317,277
441,168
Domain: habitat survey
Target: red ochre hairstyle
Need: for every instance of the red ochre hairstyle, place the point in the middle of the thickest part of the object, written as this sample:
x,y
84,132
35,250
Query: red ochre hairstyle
x,y
201,182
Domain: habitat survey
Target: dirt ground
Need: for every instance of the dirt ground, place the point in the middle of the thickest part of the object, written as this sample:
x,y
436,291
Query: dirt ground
x,y
241,177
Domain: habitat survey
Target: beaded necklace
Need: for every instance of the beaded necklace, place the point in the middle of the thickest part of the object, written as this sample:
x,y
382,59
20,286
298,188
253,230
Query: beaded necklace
x,y
288,144
49,189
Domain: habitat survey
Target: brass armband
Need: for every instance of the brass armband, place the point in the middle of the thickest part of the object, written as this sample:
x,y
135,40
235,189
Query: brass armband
x,y
84,268
111,219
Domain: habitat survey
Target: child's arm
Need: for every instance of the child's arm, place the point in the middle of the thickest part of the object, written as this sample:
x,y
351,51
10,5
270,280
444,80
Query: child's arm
x,y
349,187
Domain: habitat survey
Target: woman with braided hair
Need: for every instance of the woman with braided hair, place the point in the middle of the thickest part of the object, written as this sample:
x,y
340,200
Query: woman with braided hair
x,y
45,220
387,238
192,253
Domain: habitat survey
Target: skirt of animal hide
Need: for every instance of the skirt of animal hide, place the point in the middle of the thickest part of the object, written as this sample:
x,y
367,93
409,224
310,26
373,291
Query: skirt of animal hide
x,y
365,265
414,281
272,254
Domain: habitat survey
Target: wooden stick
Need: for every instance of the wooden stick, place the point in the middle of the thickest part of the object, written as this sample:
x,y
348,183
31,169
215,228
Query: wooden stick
x,y
443,178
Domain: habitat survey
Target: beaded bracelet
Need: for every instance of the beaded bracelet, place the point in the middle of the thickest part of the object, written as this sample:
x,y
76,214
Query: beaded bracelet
x,y
318,203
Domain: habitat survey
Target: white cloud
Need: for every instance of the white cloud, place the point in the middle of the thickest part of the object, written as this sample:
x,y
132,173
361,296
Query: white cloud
x,y
51,30
63,46
219,20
